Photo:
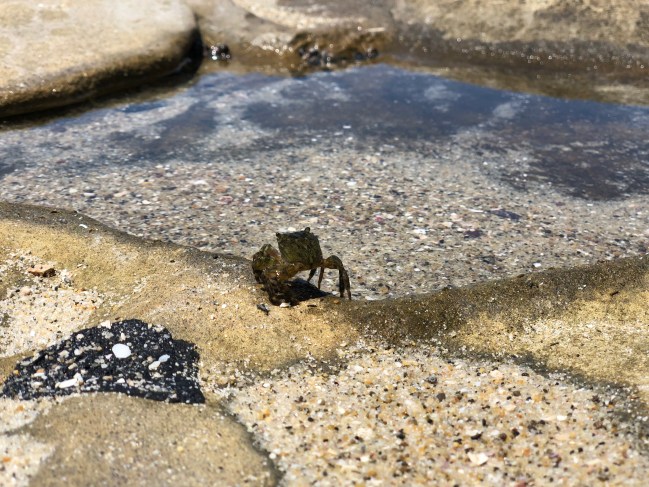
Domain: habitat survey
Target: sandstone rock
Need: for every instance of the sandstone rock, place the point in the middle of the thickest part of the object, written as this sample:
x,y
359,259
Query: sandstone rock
x,y
54,52
271,25
271,34
109,438
616,22
596,49
555,34
589,322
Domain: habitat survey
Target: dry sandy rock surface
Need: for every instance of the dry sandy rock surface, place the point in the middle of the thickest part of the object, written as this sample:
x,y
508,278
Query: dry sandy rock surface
x,y
535,379
87,48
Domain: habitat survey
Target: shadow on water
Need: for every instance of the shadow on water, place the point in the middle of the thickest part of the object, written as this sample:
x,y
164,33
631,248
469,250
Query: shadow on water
x,y
588,150
176,135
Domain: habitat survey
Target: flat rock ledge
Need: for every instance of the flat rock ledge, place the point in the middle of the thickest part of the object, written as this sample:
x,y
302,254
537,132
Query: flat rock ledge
x,y
597,49
615,25
588,323
56,53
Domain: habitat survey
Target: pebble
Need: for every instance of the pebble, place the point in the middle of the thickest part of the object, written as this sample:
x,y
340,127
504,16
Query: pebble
x,y
478,458
264,308
42,270
121,351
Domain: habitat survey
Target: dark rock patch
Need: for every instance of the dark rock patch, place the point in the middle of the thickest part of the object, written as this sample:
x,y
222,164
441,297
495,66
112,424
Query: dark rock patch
x,y
327,50
593,151
217,52
505,214
129,356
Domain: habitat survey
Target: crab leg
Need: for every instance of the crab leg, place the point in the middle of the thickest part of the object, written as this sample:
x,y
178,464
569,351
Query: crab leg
x,y
343,283
311,274
334,262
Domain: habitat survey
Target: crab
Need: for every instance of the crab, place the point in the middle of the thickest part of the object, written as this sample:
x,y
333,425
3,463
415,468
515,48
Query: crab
x,y
298,251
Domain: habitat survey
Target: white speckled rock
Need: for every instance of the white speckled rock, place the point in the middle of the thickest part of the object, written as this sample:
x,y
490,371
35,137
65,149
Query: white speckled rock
x,y
54,52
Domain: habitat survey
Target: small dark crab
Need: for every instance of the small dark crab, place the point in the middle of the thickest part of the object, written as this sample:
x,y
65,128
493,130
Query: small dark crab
x,y
298,251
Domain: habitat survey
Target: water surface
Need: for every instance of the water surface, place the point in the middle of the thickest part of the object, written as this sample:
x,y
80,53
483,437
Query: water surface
x,y
587,149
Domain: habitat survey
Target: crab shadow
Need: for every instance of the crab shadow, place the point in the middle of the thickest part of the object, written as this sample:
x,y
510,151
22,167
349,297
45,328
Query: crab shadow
x,y
301,290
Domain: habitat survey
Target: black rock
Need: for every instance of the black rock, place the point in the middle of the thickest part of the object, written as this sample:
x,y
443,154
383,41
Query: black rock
x,y
218,52
473,234
157,368
432,379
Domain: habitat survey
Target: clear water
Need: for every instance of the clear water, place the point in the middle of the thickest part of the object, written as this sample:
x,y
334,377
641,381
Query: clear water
x,y
586,149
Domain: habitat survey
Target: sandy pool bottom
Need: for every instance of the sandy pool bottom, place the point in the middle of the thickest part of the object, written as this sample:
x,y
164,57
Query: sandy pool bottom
x,y
413,417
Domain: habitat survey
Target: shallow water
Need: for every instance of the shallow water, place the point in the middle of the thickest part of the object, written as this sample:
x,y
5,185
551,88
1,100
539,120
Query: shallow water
x,y
587,149
416,181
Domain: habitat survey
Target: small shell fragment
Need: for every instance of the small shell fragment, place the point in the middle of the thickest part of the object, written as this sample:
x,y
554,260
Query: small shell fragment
x,y
66,383
75,381
121,351
478,458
